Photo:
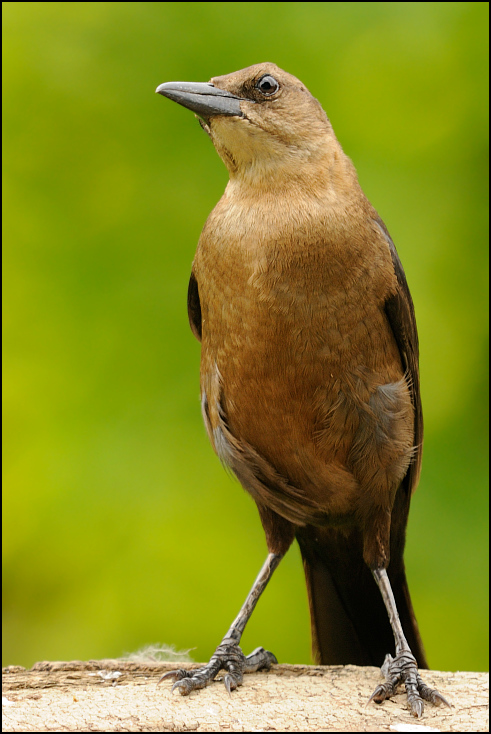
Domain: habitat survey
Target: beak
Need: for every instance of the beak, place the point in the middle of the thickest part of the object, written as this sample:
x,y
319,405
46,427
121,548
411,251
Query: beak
x,y
202,98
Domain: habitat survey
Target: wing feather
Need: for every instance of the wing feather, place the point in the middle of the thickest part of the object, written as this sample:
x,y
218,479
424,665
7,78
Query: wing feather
x,y
399,309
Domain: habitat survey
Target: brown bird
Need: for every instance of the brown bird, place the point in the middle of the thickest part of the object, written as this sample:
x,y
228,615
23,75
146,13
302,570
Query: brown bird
x,y
309,374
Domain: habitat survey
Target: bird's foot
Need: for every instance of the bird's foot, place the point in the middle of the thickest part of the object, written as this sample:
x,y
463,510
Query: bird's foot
x,y
228,656
403,669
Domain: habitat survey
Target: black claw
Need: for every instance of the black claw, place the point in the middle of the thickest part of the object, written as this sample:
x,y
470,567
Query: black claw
x,y
432,695
230,683
417,707
379,695
438,699
184,686
176,675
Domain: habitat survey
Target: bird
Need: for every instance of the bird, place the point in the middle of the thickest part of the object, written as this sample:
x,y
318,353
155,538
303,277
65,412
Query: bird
x,y
309,375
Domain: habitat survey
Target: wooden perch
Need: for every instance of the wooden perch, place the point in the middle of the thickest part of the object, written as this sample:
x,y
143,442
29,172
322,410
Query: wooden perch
x,y
112,695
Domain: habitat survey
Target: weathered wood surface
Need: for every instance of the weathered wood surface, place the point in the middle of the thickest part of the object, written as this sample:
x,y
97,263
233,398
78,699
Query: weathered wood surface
x,y
111,695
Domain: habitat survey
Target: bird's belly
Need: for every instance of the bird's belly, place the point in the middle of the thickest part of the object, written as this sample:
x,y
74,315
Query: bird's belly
x,y
296,382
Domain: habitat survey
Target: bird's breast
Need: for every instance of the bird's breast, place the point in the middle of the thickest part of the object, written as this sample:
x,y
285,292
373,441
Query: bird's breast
x,y
287,300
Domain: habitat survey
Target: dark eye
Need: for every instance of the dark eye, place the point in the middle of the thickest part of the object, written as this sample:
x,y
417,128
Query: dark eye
x,y
267,85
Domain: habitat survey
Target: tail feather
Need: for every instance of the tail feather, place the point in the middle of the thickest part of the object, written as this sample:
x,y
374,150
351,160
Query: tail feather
x,y
350,624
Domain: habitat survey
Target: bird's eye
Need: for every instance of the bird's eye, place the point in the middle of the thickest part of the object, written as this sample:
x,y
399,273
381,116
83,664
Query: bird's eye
x,y
267,85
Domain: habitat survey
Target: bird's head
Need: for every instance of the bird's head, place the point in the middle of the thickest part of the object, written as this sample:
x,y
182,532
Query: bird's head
x,y
263,122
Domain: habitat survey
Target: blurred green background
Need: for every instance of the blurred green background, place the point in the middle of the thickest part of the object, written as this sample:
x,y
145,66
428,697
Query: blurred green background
x,y
120,526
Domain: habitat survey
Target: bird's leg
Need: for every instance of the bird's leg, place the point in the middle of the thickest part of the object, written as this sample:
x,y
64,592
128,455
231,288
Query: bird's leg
x,y
403,668
228,655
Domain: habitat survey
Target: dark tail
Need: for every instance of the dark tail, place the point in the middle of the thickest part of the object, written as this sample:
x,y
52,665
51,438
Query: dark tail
x,y
350,624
